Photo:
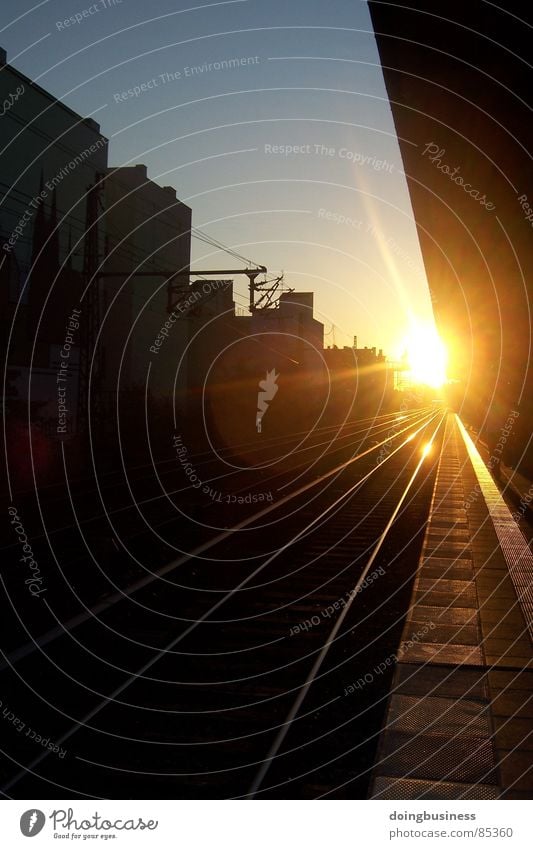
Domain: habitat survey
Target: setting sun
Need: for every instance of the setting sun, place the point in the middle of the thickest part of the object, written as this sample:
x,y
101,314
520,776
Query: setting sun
x,y
426,355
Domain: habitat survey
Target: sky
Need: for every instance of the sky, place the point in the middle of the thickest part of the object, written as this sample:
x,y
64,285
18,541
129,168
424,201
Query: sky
x,y
271,120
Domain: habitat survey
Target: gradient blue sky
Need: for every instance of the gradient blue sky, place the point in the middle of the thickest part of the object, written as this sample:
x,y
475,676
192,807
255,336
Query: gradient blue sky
x,y
316,81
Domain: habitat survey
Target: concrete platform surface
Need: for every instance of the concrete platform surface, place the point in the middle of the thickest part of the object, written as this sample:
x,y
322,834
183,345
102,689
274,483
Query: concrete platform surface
x,y
459,721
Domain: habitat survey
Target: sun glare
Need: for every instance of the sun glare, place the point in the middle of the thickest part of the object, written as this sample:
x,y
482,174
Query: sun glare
x,y
426,355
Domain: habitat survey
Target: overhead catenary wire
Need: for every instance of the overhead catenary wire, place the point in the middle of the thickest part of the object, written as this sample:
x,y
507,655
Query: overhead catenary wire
x,y
195,232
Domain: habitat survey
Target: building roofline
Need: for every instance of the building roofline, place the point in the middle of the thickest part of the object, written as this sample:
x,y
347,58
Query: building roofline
x,y
90,123
141,171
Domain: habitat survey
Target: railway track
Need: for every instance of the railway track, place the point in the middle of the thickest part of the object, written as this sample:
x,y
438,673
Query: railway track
x,y
231,671
89,558
165,479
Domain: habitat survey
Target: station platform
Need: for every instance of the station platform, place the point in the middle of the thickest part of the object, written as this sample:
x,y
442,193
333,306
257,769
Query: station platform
x,y
459,721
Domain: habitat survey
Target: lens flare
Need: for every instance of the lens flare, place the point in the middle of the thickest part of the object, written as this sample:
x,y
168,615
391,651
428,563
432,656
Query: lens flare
x,y
426,355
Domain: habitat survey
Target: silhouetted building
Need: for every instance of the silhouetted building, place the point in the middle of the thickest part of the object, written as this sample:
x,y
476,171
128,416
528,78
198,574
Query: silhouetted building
x,y
146,229
50,156
232,354
360,382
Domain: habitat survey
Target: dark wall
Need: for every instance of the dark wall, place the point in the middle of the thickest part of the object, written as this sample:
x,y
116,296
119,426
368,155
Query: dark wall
x,y
457,79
